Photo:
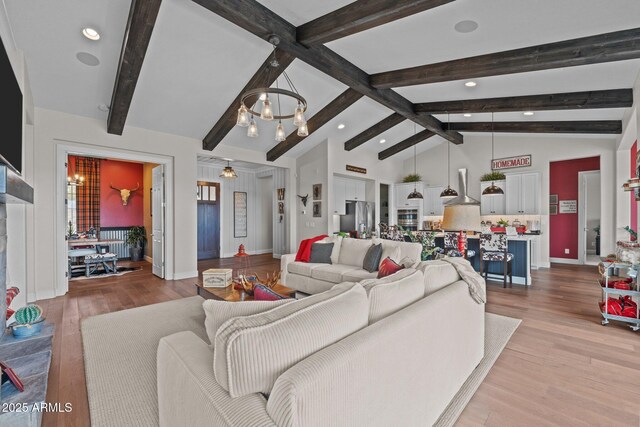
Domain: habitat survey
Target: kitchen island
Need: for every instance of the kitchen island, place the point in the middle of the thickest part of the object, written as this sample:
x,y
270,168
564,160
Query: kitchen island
x,y
521,248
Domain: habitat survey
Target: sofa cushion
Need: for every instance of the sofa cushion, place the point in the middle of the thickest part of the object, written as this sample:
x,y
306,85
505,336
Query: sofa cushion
x,y
353,251
302,268
217,312
437,275
407,249
321,253
252,352
358,275
332,273
372,258
337,243
393,293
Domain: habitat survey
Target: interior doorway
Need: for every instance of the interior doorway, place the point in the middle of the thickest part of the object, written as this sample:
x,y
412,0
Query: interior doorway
x,y
208,220
589,208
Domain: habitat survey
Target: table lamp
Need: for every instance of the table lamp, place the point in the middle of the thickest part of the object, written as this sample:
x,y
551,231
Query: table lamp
x,y
462,214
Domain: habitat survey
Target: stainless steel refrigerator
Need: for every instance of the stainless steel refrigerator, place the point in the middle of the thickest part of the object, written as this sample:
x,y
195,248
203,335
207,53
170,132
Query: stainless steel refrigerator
x,y
360,217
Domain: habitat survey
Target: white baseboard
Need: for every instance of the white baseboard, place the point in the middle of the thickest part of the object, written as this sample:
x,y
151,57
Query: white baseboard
x,y
565,261
544,265
277,256
148,259
185,275
261,251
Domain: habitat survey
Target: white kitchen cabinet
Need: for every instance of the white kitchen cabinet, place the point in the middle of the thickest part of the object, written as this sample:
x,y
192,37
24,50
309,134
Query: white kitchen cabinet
x,y
493,205
360,193
433,204
522,194
403,190
339,196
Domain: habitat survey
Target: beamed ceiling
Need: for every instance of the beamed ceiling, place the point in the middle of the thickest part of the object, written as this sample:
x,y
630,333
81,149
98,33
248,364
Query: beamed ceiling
x,y
378,66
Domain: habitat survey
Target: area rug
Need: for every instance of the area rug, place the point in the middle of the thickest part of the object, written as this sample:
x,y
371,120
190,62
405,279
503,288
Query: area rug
x,y
120,360
121,271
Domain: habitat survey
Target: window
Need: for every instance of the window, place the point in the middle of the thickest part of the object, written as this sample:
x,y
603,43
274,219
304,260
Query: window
x,y
72,212
207,191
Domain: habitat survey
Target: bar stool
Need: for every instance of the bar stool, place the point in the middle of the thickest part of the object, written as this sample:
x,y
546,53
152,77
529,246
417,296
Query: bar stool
x,y
493,248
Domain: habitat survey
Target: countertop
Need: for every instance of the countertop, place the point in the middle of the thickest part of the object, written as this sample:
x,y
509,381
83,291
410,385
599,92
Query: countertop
x,y
519,237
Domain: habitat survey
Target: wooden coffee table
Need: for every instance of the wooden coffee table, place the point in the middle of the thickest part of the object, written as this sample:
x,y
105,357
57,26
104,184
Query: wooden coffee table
x,y
230,294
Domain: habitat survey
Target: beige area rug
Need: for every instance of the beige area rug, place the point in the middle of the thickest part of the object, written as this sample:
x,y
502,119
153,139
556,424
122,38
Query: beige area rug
x,y
120,360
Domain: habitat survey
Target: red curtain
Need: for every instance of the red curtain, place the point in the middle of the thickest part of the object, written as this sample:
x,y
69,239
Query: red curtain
x,y
88,202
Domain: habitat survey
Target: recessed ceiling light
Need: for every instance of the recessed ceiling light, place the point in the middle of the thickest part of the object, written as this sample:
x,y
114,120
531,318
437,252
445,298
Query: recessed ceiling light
x,y
91,33
341,126
467,115
470,84
382,141
88,59
467,26
528,113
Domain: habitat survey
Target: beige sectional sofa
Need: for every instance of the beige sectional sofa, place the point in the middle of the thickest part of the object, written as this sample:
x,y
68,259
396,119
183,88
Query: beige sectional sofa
x,y
383,352
347,260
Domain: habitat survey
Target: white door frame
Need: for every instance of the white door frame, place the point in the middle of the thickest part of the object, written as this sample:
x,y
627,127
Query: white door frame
x,y
65,148
582,218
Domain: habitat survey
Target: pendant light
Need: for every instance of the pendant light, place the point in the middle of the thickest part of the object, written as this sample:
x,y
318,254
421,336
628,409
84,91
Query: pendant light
x,y
493,189
252,131
243,116
448,193
228,172
415,194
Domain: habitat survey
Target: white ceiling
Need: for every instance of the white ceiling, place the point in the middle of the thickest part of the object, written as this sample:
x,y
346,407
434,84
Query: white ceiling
x,y
197,62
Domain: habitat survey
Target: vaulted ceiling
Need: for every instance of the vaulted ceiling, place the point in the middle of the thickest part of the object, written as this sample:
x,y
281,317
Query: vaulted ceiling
x,y
197,62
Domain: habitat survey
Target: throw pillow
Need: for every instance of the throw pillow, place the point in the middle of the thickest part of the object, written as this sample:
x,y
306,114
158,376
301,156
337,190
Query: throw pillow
x,y
372,258
262,293
218,312
407,262
321,253
388,267
304,251
337,243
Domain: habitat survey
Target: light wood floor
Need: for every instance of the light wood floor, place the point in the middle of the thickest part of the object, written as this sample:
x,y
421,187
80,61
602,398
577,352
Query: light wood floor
x,y
561,367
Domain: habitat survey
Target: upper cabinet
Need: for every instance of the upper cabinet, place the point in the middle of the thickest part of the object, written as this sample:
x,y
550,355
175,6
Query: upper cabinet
x,y
522,193
403,190
346,189
433,204
493,205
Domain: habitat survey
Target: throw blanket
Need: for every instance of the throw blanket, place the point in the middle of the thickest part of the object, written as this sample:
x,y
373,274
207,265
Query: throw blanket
x,y
468,274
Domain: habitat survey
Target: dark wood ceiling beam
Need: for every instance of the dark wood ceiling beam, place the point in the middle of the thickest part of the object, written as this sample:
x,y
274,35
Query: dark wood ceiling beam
x,y
331,110
142,19
359,16
264,77
374,131
582,126
262,22
609,47
407,143
616,98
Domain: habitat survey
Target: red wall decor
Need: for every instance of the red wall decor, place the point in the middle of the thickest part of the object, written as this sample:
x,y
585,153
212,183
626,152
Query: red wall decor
x,y
122,175
563,181
633,215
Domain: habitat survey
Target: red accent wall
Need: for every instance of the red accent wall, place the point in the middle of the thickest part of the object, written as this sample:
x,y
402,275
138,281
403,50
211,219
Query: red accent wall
x,y
634,205
122,175
563,181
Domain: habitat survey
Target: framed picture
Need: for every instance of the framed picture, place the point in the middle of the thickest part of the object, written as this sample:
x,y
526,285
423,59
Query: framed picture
x,y
239,214
317,192
553,199
281,208
280,193
553,209
317,209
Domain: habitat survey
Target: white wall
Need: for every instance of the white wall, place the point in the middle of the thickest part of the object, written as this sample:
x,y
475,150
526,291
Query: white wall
x,y
593,208
312,168
475,155
264,240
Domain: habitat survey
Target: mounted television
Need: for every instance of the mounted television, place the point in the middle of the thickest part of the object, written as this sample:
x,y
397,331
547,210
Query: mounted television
x,y
11,117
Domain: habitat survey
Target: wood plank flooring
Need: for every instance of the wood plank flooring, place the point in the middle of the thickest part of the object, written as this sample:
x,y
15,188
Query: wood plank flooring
x,y
561,367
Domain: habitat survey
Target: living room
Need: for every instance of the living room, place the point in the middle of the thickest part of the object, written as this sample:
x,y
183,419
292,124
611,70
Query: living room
x,y
488,153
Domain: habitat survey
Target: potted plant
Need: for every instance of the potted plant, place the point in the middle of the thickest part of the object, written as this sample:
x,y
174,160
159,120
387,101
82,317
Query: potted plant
x,y
412,177
136,240
493,176
597,231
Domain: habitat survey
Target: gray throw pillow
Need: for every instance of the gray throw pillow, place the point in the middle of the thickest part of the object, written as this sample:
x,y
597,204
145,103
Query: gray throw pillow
x,y
372,258
321,253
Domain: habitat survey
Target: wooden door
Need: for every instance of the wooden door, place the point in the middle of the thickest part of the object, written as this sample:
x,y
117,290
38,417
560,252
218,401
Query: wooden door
x,y
208,220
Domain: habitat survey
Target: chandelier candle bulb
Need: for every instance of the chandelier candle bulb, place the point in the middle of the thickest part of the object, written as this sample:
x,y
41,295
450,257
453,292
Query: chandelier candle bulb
x,y
303,130
243,116
298,117
266,113
280,134
252,131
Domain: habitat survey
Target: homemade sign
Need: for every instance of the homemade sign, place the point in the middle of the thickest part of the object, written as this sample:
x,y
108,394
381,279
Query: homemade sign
x,y
239,214
568,206
511,162
357,169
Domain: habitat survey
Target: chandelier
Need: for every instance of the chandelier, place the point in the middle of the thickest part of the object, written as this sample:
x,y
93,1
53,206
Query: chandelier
x,y
228,172
75,180
264,95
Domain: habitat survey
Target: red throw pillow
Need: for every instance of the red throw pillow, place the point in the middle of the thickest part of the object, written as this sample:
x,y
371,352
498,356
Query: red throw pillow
x,y
304,251
262,293
388,267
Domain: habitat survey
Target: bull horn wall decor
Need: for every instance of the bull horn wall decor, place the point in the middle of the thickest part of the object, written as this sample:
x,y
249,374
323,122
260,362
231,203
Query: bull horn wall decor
x,y
124,193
